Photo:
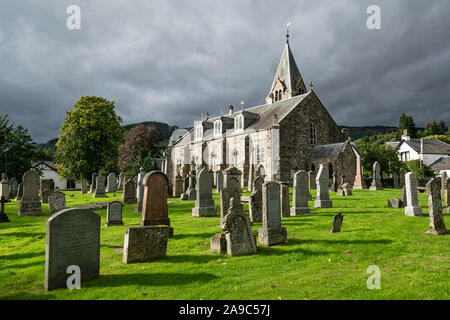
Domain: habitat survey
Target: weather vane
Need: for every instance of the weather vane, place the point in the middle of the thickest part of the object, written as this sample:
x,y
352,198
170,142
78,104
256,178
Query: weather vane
x,y
287,31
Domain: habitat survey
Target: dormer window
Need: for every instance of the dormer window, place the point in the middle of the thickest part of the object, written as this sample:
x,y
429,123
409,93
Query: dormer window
x,y
199,132
239,123
218,128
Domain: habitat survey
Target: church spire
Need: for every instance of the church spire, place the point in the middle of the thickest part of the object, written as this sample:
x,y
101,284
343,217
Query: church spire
x,y
288,81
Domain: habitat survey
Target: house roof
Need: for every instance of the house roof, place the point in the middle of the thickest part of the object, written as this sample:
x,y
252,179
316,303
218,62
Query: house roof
x,y
327,150
430,146
394,144
50,164
442,163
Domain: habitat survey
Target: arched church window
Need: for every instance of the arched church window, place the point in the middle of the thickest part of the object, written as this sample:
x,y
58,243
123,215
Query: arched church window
x,y
217,127
239,123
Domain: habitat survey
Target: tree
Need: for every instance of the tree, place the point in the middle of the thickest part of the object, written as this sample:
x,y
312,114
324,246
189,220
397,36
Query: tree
x,y
407,123
89,139
420,170
386,156
148,163
138,142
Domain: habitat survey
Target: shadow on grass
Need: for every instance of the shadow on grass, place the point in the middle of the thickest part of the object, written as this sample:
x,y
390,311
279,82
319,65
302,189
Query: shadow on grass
x,y
182,258
24,234
192,235
19,256
274,251
155,279
28,296
292,242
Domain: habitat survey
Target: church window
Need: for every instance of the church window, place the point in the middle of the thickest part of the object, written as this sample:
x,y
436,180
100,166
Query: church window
x,y
279,95
239,123
235,158
260,154
217,128
312,130
199,132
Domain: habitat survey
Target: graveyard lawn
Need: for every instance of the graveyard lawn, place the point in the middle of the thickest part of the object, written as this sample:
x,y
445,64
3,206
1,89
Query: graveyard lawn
x,y
313,264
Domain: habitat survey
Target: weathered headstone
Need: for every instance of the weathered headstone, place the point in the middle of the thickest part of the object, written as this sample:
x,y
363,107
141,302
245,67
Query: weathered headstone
x,y
395,180
219,181
73,239
447,192
334,184
30,205
99,191
140,189
359,178
401,177
178,186
347,188
250,177
256,201
120,181
47,187
3,215
403,198
19,192
4,187
56,202
218,243
272,232
238,231
204,203
145,243
312,179
83,187
14,185
93,183
437,225
111,182
114,214
155,210
284,201
184,195
301,194
394,203
376,182
443,178
337,223
231,191
323,198
129,192
412,208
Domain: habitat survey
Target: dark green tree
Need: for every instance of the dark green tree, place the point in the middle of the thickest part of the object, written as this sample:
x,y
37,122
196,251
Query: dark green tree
x,y
89,139
407,123
386,156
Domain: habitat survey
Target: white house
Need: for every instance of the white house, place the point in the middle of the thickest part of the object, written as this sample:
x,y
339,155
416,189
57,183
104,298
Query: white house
x,y
49,171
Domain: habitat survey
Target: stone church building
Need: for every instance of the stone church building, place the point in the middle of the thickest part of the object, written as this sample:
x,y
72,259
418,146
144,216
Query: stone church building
x,y
290,132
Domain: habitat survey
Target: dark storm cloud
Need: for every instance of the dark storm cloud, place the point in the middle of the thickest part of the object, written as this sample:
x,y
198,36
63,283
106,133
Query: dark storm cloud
x,y
172,60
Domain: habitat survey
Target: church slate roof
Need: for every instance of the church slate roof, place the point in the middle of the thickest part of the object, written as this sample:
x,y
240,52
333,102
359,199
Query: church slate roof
x,y
441,164
327,150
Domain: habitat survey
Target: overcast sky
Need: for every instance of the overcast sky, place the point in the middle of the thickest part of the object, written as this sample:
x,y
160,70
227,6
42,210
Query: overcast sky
x,y
172,60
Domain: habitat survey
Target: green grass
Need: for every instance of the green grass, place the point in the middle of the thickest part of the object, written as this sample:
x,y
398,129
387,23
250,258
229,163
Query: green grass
x,y
313,264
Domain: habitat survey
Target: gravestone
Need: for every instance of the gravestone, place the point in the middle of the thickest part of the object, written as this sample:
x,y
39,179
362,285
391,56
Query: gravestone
x,y
3,215
323,198
285,202
412,208
238,231
4,187
218,243
260,171
394,203
99,191
111,182
231,191
140,189
312,179
334,185
129,192
272,232
178,186
256,201
14,185
114,214
376,182
83,187
47,187
359,178
191,193
120,181
443,178
73,239
219,181
19,192
30,205
337,223
143,244
447,192
300,194
154,207
401,177
250,177
396,182
204,203
56,202
93,183
437,225
347,188
403,198
184,195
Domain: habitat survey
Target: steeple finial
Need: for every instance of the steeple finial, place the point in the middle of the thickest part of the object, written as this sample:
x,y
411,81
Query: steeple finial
x,y
287,32
242,105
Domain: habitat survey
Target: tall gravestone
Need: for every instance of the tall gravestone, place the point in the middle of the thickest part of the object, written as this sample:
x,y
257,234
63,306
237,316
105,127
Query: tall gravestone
x,y
334,186
56,202
443,178
412,199
14,186
219,181
19,192
396,181
73,239
83,187
99,191
271,232
93,183
447,192
30,205
312,179
437,225
376,181
250,177
238,231
204,203
256,200
47,187
323,197
359,178
140,189
4,187
114,214
120,181
129,192
155,210
401,177
178,186
111,182
284,200
300,194
231,191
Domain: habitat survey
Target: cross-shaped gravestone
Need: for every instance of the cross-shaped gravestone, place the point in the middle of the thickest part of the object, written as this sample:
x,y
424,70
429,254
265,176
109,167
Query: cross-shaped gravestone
x,y
3,216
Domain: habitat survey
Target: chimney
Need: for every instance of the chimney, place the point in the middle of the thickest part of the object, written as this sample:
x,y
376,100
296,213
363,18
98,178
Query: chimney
x,y
231,109
405,136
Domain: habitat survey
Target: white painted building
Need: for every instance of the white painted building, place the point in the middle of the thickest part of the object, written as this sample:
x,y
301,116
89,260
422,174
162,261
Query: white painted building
x,y
49,171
